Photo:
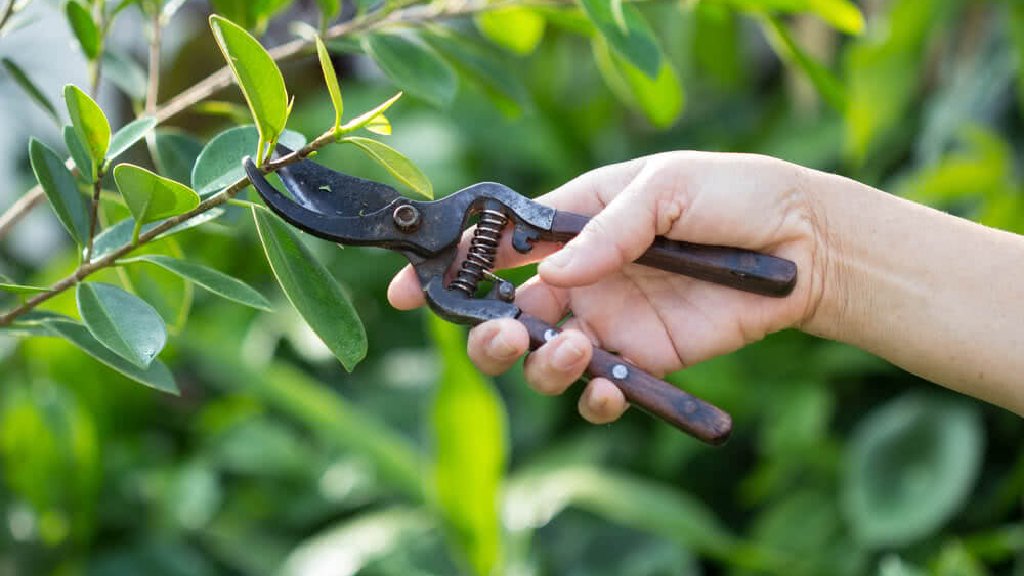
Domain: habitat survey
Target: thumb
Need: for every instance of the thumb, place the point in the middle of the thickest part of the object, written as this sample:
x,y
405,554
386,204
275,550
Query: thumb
x,y
616,236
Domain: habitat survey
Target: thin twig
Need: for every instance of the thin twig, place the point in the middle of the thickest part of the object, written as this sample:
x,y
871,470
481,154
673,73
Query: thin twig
x,y
94,213
111,258
7,13
153,87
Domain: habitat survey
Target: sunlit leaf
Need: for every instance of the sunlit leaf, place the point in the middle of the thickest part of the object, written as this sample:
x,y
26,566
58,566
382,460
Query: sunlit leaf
x,y
469,424
90,123
127,136
61,190
312,290
21,288
30,89
365,118
516,28
215,281
827,85
415,68
661,99
150,196
912,465
220,163
635,41
84,27
156,375
331,79
123,323
86,167
396,163
844,15
257,75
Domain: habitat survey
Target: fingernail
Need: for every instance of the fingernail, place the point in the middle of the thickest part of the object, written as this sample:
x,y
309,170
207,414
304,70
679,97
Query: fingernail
x,y
500,347
567,354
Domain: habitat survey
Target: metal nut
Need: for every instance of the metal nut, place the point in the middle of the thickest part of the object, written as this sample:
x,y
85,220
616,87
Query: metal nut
x,y
407,218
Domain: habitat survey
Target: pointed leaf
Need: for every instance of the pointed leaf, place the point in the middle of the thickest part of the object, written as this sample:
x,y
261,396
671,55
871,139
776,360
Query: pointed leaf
x,y
635,41
516,28
29,87
660,99
90,123
150,196
258,76
61,190
122,322
469,424
156,375
414,67
312,290
86,167
380,125
84,27
366,117
331,78
220,163
396,163
217,282
127,136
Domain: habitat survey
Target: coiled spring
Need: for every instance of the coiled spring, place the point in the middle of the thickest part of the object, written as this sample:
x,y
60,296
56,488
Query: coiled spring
x,y
483,249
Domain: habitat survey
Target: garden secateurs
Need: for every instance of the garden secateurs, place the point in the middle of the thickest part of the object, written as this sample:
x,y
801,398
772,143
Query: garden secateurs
x,y
354,211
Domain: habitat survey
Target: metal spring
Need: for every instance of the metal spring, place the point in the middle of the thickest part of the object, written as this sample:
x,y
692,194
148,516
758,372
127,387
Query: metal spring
x,y
483,249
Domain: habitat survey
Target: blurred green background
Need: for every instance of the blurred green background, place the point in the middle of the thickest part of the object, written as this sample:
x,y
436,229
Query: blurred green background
x,y
274,460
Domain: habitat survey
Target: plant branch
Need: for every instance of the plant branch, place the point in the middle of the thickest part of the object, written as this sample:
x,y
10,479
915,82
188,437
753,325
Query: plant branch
x,y
111,258
94,212
5,16
153,86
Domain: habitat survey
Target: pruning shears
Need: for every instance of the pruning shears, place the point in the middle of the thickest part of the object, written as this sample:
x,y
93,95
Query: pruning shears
x,y
355,211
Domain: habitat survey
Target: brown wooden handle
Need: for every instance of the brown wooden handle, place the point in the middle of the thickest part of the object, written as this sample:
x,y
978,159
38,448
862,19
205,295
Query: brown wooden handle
x,y
733,267
684,411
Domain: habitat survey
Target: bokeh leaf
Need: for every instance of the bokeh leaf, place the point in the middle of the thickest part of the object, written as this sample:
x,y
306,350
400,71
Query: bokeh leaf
x,y
415,68
258,76
844,15
86,31
481,67
11,288
176,154
90,123
128,135
331,79
329,9
912,465
123,323
156,375
150,196
220,162
635,41
61,190
213,280
312,290
396,163
660,99
470,443
124,72
827,85
516,28
30,89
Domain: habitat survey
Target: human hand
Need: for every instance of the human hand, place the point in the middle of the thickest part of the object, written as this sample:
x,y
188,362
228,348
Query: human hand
x,y
657,320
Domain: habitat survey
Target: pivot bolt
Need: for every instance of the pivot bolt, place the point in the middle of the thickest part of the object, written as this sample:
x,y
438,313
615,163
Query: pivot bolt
x,y
407,218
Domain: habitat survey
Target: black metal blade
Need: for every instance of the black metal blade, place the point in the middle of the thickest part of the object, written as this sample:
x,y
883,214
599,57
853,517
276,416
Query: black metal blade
x,y
326,191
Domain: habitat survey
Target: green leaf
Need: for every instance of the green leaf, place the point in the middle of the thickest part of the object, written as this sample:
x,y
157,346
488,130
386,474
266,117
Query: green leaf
x,y
90,123
125,73
312,290
397,164
86,167
21,288
469,424
220,163
369,116
258,76
331,78
116,236
841,14
329,9
1016,28
482,68
123,323
85,29
635,42
217,282
168,293
516,28
911,465
827,85
128,135
176,154
415,68
380,125
156,375
61,190
150,196
956,560
30,89
661,99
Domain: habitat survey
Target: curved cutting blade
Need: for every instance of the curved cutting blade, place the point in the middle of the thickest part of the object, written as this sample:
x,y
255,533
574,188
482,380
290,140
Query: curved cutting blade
x,y
326,191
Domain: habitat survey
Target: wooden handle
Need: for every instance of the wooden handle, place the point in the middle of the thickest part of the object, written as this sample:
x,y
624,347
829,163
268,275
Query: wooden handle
x,y
684,411
740,269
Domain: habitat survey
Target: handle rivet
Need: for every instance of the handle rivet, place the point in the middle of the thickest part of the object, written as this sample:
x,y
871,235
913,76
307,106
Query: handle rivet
x,y
550,334
407,218
620,372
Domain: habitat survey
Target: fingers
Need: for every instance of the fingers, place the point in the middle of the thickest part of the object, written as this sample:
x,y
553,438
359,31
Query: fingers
x,y
602,402
404,291
553,367
496,345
